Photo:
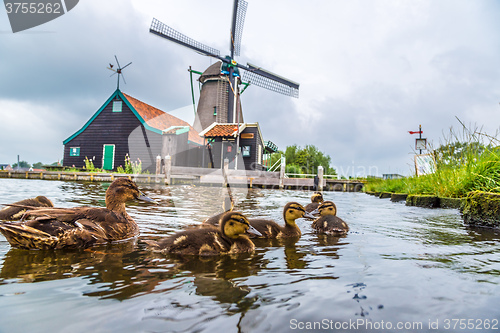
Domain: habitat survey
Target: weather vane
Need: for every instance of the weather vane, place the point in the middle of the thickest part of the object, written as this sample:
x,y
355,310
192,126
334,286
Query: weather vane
x,y
118,71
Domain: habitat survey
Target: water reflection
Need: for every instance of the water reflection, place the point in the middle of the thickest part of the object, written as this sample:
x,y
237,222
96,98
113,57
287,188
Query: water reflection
x,y
397,263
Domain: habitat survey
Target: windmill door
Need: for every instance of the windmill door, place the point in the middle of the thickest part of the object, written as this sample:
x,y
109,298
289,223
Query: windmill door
x,y
108,157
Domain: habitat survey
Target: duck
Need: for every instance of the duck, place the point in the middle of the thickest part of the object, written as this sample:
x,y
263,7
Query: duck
x,y
328,222
78,227
228,238
271,229
316,200
11,213
227,205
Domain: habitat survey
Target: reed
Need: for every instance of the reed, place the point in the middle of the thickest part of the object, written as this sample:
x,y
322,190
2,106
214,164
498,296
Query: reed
x,y
464,163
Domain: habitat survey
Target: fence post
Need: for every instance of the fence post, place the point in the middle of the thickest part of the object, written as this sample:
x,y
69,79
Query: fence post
x,y
225,173
320,178
282,172
168,169
158,167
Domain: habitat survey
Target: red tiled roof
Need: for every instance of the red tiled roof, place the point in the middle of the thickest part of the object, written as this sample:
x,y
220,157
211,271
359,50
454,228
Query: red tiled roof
x,y
161,120
222,130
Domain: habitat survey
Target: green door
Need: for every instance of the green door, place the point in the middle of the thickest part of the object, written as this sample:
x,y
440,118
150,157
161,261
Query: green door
x,y
108,157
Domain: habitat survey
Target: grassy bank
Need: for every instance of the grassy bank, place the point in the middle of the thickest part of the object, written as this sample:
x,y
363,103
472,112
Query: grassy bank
x,y
461,168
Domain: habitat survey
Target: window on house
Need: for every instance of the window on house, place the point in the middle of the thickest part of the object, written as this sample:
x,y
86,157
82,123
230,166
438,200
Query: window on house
x,y
74,151
117,106
259,154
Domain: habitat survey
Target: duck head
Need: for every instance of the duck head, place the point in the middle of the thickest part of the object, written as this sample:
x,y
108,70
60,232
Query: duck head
x,y
234,224
317,197
326,208
122,190
293,211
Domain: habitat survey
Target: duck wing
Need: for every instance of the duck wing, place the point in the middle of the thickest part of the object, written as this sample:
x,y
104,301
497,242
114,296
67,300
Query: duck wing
x,y
16,210
330,224
203,241
55,228
311,206
268,228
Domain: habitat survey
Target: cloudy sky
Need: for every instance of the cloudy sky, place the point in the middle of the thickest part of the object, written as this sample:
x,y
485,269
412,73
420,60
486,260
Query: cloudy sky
x,y
369,72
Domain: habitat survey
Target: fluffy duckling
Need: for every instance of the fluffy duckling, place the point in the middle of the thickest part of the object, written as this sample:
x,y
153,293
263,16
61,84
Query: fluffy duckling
x,y
11,213
270,229
316,200
227,205
230,237
79,227
328,222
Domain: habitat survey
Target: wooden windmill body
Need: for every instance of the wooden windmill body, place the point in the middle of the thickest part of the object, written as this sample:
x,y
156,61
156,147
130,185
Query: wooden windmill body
x,y
214,97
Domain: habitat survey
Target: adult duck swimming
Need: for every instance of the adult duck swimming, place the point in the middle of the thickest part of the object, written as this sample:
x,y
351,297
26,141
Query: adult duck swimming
x,y
78,227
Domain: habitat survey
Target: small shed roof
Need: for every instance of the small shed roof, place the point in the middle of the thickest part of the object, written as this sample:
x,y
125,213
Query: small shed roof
x,y
222,130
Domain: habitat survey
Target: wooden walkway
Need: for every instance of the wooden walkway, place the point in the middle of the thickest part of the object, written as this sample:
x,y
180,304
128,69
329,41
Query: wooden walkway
x,y
201,176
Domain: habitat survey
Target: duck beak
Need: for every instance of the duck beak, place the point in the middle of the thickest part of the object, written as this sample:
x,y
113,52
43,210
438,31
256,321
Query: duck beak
x,y
314,212
145,198
254,231
310,215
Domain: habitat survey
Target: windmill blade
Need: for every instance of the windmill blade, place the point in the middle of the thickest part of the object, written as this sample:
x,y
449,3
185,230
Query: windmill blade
x,y
123,77
266,79
126,65
239,13
117,62
160,29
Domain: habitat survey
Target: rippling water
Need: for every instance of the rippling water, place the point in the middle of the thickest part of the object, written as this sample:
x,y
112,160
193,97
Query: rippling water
x,y
399,269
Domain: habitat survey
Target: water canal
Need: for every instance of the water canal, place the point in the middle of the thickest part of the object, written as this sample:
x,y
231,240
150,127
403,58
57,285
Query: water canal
x,y
399,269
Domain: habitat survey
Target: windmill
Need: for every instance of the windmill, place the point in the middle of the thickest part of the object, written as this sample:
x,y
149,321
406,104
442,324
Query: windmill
x,y
118,71
219,95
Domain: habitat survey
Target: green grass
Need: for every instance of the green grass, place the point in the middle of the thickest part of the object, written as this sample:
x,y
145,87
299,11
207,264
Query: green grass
x,y
461,168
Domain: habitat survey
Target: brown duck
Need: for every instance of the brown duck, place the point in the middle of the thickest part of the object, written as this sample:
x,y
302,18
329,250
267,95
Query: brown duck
x,y
229,237
271,229
11,213
328,222
316,200
79,227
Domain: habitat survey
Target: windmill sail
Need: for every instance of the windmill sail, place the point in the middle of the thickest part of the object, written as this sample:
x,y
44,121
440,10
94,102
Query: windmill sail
x,y
266,79
160,29
239,12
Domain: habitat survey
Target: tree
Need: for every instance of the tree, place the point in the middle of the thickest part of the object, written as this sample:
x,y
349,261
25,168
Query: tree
x,y
37,165
22,164
305,160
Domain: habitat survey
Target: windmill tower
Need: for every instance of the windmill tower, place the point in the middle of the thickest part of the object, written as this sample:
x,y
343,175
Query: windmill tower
x,y
219,97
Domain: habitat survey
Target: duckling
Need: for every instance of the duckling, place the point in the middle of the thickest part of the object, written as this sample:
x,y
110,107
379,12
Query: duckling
x,y
79,227
328,222
270,229
11,213
230,237
316,200
227,205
